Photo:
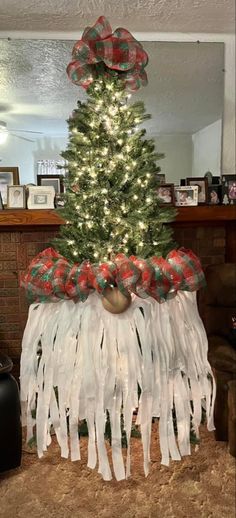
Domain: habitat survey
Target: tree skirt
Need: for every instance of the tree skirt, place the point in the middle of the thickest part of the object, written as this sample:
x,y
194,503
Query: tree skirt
x,y
151,358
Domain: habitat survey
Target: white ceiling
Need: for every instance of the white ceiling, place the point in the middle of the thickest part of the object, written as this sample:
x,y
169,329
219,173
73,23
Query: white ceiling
x,y
214,16
184,93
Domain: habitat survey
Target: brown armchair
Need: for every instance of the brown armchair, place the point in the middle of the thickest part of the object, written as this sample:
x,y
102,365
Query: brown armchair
x,y
217,305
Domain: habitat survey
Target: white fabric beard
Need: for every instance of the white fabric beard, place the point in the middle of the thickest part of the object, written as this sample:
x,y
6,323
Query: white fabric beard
x,y
97,361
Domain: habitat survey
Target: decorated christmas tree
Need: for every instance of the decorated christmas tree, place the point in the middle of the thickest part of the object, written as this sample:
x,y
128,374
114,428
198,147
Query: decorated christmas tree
x,y
111,202
85,354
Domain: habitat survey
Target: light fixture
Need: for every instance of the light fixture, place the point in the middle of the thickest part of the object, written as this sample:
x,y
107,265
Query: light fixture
x,y
3,132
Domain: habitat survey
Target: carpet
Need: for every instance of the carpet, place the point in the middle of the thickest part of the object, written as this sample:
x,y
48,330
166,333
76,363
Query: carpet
x,y
201,485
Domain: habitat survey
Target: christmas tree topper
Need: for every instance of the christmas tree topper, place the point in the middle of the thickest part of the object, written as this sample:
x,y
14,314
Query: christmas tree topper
x,y
101,52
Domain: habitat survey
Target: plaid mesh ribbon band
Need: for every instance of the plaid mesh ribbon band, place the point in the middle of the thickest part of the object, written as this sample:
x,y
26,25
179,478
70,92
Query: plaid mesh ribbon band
x,y
50,277
119,53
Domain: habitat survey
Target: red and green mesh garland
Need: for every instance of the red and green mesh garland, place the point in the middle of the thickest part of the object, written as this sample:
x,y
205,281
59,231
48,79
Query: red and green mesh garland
x,y
50,277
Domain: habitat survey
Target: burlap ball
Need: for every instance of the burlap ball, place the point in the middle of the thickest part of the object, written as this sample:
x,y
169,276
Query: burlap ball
x,y
114,301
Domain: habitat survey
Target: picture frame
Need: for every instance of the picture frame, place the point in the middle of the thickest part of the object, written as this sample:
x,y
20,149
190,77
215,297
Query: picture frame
x,y
186,196
161,178
59,201
41,197
214,194
215,180
54,180
202,183
229,189
8,176
165,193
16,198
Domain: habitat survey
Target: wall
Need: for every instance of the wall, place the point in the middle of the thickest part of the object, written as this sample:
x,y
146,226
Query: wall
x,y
207,150
229,128
22,154
178,156
16,152
19,153
49,148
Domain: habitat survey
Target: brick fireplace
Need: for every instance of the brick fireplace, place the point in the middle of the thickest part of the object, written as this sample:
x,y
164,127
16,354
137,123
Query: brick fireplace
x,y
210,233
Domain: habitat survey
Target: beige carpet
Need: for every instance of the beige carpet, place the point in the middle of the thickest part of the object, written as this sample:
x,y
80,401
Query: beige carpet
x,y
201,485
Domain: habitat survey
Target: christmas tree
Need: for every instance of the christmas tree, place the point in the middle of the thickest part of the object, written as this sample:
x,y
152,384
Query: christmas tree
x,y
111,202
118,258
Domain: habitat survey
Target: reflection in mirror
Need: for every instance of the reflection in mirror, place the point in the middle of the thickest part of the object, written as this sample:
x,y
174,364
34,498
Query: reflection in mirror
x,y
184,95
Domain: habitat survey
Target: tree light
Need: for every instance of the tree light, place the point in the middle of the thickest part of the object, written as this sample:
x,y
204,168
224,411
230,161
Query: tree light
x,y
142,225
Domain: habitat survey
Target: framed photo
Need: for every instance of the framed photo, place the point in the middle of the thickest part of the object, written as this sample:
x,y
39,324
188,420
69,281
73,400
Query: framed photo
x,y
214,194
216,180
53,180
59,201
165,193
202,185
41,197
8,176
229,189
1,203
16,197
161,178
186,195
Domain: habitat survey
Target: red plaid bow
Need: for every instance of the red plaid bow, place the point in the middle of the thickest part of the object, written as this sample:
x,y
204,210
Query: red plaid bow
x,y
119,53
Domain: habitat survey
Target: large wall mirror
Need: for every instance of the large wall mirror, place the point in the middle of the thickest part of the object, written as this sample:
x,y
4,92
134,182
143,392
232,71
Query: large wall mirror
x,y
185,96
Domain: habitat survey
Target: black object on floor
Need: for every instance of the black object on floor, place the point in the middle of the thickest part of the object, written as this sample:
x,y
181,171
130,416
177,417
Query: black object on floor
x,y
10,421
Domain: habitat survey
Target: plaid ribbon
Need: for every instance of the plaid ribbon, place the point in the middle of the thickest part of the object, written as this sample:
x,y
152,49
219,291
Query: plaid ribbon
x,y
102,52
50,277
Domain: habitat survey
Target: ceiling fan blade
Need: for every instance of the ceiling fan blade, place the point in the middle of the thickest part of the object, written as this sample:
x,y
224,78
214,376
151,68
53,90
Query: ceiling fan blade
x,y
25,131
22,138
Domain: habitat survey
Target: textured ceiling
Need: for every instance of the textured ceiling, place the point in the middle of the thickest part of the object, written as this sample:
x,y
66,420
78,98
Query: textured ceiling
x,y
137,15
184,93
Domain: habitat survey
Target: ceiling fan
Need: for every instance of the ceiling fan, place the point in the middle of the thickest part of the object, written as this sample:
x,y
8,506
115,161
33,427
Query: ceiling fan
x,y
4,132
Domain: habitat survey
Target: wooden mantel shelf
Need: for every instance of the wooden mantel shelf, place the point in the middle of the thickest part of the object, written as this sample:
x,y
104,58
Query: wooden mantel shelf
x,y
197,215
29,218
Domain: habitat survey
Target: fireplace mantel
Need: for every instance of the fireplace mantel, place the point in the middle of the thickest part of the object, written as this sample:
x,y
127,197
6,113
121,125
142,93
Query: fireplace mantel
x,y
201,215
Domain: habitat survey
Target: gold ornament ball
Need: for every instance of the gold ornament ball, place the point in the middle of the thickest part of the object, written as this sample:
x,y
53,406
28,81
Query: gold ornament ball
x,y
114,301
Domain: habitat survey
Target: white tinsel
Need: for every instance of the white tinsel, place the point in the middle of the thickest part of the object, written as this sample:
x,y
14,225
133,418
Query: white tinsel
x,y
96,361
